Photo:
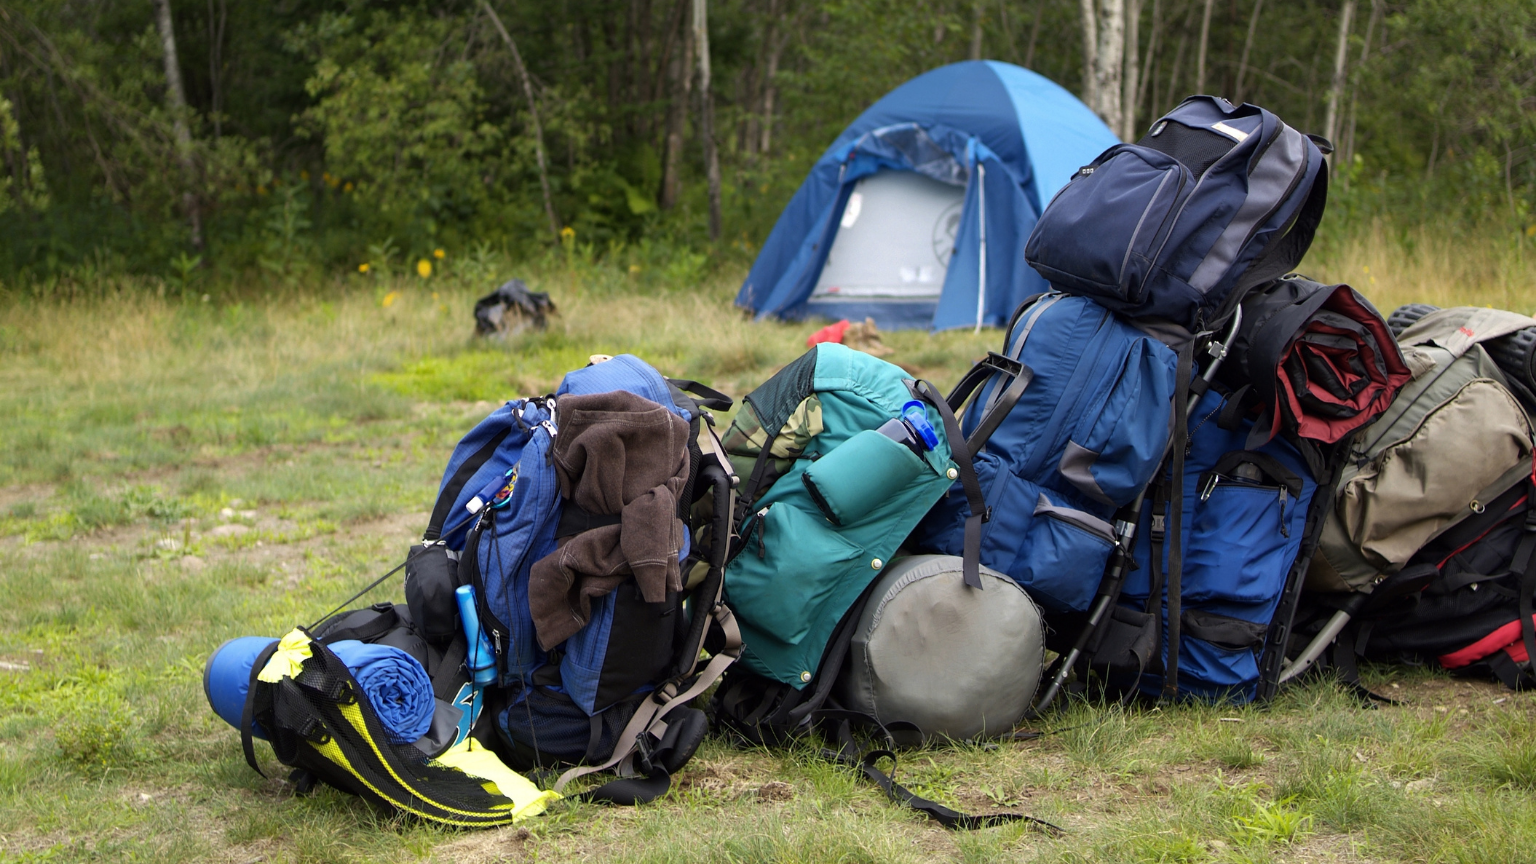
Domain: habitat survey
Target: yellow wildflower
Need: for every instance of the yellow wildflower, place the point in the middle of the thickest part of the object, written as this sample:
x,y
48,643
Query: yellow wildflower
x,y
434,295
261,190
633,269
1530,230
348,188
423,268
363,267
438,253
567,233
389,299
304,175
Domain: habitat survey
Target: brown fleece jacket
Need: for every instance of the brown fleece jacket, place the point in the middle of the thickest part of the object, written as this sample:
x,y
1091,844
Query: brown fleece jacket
x,y
617,454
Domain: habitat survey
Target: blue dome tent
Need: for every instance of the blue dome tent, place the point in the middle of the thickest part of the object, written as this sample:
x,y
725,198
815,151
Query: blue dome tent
x,y
917,214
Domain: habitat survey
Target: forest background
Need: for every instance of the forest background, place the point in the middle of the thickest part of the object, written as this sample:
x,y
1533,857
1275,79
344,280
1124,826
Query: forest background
x,y
234,147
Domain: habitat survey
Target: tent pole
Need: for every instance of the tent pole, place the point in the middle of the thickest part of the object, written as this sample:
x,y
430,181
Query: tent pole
x,y
981,270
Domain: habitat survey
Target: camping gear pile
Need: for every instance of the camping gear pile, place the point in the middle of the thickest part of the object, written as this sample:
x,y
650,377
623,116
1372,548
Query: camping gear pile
x,y
1185,475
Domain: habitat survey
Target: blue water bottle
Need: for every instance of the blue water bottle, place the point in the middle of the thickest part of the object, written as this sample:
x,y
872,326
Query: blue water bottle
x,y
481,658
912,428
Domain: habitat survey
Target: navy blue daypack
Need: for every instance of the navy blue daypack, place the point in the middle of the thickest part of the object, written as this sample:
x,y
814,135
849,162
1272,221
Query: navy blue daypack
x,y
612,695
1216,199
1067,427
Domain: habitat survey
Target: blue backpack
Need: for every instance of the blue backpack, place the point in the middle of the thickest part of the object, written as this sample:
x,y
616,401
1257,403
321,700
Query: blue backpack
x,y
1067,427
1248,529
612,695
1216,199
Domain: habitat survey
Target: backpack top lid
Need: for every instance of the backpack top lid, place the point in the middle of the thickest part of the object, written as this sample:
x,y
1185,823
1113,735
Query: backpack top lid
x,y
1216,199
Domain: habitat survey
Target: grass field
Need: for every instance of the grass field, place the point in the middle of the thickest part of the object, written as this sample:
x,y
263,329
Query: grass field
x,y
177,472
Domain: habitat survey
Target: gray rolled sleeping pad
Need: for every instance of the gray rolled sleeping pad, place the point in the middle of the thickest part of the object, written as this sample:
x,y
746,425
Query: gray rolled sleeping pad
x,y
932,658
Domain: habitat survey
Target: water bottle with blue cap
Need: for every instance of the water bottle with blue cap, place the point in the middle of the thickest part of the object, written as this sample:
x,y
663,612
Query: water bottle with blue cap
x,y
912,428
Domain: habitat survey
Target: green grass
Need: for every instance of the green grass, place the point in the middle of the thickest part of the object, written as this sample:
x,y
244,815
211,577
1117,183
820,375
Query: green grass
x,y
173,474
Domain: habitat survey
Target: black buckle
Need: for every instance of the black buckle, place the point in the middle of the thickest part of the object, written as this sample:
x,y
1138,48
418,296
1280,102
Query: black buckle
x,y
1004,364
1159,527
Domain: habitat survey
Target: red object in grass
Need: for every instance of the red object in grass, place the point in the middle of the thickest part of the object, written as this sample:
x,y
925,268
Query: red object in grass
x,y
829,333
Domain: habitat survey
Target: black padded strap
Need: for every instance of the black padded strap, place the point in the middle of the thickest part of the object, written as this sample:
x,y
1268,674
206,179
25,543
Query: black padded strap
x,y
367,629
455,484
998,412
628,791
1176,515
1525,572
960,452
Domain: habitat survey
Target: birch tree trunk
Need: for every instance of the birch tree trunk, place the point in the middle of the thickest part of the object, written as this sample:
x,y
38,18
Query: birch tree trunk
x,y
533,114
680,87
1132,70
707,115
1331,119
1109,62
1205,38
1242,63
1090,53
976,32
176,98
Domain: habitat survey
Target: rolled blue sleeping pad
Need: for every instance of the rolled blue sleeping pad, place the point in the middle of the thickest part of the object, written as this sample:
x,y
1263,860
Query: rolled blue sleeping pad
x,y
394,683
227,678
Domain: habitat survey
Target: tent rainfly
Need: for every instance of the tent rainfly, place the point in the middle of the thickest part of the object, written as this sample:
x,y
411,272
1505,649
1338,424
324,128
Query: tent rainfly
x,y
917,214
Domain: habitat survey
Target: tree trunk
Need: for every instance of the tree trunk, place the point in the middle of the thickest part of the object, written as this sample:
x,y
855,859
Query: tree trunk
x,y
1132,69
1340,54
1108,61
976,31
533,114
1090,53
1347,151
680,87
1242,63
707,115
215,63
770,79
1205,38
1034,34
1144,85
176,97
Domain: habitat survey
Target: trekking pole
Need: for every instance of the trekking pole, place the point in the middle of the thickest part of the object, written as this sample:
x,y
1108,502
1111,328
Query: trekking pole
x,y
1125,535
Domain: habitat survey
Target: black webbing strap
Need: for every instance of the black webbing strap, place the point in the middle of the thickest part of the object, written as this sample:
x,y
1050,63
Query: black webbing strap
x,y
455,484
1347,648
1522,567
1176,515
575,519
960,452
446,683
248,713
867,766
709,397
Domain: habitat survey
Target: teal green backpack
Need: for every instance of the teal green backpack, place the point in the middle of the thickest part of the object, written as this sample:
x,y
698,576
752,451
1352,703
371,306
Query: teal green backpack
x,y
826,503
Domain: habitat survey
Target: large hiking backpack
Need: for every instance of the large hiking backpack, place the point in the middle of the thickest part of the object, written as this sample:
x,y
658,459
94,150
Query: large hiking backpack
x,y
1066,426
1432,536
1310,363
622,645
1216,199
1454,439
597,639
827,504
